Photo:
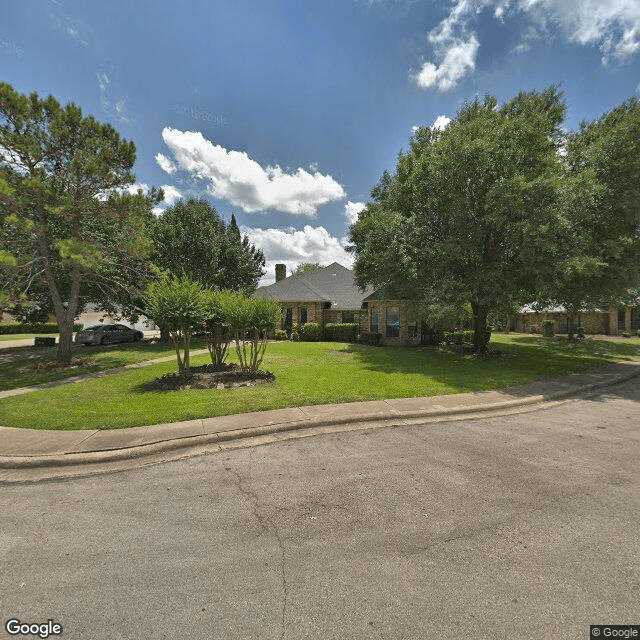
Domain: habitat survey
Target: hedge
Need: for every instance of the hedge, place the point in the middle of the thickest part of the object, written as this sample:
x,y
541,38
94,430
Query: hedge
x,y
341,332
370,338
310,332
458,337
8,328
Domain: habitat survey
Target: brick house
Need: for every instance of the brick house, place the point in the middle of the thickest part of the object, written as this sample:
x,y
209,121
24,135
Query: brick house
x,y
330,294
613,322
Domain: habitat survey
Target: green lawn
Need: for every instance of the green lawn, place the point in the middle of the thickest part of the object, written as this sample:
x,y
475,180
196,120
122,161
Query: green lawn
x,y
24,336
306,373
11,376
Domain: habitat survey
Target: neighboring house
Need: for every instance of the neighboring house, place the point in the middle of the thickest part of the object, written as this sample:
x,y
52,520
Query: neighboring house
x,y
613,322
330,294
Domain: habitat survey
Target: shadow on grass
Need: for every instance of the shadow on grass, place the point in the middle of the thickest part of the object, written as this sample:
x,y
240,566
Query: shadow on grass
x,y
530,360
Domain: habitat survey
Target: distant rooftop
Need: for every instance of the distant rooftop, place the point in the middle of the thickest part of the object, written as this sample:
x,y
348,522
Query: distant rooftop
x,y
334,284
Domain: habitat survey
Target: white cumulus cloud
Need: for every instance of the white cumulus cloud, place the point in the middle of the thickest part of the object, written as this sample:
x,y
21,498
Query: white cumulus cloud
x,y
235,177
165,164
612,25
171,194
440,123
352,209
458,58
293,246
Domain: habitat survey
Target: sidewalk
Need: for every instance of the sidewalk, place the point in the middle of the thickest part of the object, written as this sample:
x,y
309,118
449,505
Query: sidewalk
x,y
37,449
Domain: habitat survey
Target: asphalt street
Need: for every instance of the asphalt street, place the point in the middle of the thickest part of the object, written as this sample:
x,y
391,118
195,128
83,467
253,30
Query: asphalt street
x,y
522,526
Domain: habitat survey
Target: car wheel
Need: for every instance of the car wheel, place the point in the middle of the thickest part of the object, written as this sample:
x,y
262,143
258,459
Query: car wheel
x,y
105,340
137,337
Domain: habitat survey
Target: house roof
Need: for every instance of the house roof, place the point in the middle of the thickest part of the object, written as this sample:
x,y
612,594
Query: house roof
x,y
334,284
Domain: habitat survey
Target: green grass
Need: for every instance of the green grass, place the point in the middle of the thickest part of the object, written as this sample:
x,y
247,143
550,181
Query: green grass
x,y
307,373
5,337
11,376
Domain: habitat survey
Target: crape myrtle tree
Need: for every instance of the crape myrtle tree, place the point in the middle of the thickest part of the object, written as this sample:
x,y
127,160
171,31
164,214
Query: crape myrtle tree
x,y
598,264
217,329
468,215
66,222
180,305
191,239
250,320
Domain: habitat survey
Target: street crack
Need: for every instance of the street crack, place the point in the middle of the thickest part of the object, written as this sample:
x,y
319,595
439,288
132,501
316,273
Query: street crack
x,y
268,526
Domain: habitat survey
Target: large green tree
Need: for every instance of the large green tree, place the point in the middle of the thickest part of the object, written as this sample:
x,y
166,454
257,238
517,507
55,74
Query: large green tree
x,y
191,239
468,215
306,267
66,220
598,263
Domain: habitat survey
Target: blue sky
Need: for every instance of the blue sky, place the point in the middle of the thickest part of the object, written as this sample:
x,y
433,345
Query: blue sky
x,y
286,112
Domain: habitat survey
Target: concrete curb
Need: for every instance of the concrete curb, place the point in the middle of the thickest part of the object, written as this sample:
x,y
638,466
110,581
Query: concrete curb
x,y
176,442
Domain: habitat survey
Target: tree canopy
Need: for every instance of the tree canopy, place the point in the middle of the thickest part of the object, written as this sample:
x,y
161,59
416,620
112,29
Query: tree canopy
x,y
191,239
598,262
67,223
468,214
306,267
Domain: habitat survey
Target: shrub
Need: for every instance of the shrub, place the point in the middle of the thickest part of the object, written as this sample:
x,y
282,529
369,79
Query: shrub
x,y
281,334
626,334
458,337
310,332
371,338
11,328
341,332
547,328
432,336
580,332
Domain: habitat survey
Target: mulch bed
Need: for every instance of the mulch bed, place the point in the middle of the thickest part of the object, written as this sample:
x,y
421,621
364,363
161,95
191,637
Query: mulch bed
x,y
53,366
229,376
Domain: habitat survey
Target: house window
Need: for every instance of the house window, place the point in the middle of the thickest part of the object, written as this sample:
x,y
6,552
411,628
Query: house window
x,y
348,316
302,315
393,322
621,315
635,318
375,320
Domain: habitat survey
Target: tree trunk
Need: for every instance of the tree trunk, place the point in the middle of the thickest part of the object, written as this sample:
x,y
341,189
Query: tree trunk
x,y
570,317
65,344
164,335
480,333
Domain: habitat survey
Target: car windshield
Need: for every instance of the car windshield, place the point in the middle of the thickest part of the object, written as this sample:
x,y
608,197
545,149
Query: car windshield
x,y
95,327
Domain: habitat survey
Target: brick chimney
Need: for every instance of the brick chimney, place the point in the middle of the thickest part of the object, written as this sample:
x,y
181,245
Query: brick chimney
x,y
281,272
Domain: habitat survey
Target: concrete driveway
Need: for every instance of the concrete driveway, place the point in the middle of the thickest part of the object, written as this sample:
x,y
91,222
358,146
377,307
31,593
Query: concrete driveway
x,y
524,526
